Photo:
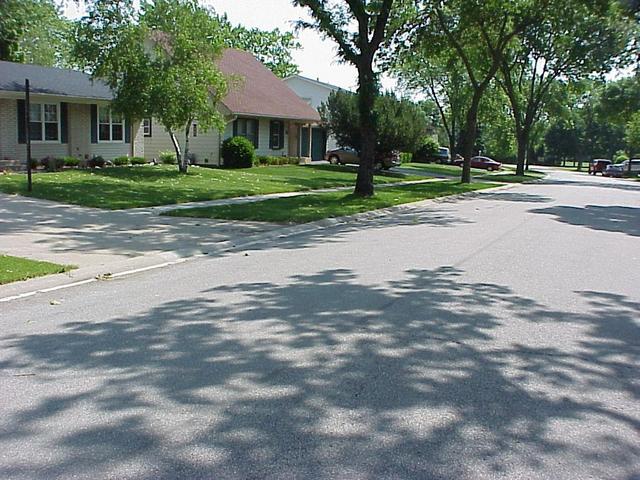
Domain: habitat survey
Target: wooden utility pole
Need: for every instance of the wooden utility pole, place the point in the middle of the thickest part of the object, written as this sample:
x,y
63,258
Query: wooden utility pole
x,y
27,130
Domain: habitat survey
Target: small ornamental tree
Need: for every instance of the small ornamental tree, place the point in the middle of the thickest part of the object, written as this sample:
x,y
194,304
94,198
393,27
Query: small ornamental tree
x,y
159,61
399,124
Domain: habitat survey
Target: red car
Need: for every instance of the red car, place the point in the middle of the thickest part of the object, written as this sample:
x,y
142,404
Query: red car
x,y
598,165
484,163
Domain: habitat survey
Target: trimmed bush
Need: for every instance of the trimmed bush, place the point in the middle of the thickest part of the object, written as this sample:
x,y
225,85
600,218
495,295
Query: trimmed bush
x,y
34,164
71,162
168,158
52,164
620,156
264,160
121,161
96,162
238,152
405,157
138,161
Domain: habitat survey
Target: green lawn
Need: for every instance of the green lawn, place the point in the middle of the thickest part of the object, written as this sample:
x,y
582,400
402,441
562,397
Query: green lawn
x,y
512,177
307,208
439,168
13,269
129,187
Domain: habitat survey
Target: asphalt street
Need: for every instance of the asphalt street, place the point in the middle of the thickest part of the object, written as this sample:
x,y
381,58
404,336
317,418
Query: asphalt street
x,y
488,337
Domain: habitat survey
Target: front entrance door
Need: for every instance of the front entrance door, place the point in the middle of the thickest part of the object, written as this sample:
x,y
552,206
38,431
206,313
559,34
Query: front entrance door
x,y
318,143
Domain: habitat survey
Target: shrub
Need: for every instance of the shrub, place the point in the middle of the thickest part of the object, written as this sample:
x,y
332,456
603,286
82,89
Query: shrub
x,y
34,164
71,162
238,152
264,160
96,162
138,161
427,150
405,157
120,161
52,164
168,158
620,157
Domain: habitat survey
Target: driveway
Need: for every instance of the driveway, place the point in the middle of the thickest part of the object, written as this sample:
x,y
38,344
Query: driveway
x,y
478,338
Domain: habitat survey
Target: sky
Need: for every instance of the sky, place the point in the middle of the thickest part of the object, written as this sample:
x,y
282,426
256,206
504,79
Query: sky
x,y
316,59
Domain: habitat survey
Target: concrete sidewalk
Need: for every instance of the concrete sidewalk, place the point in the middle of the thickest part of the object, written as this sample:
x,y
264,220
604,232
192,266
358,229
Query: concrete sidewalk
x,y
106,242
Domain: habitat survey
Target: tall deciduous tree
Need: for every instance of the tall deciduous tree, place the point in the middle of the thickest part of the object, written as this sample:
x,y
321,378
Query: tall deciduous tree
x,y
34,31
159,61
371,19
479,32
570,40
441,76
272,47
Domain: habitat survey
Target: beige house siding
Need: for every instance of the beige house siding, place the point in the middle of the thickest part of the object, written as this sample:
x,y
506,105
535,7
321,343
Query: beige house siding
x,y
13,154
205,146
8,132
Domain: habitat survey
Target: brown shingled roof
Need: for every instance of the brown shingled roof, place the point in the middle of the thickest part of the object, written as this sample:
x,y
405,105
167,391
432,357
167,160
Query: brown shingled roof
x,y
259,92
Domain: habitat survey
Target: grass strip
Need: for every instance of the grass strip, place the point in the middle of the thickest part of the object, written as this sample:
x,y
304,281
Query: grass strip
x,y
13,269
145,186
307,208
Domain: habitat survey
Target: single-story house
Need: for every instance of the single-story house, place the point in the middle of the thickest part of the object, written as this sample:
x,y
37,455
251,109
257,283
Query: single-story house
x,y
70,116
258,106
315,93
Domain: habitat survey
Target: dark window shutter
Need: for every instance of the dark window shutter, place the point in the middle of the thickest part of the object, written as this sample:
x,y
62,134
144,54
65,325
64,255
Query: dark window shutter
x,y
257,142
235,127
94,124
281,134
127,131
22,134
150,127
64,122
272,126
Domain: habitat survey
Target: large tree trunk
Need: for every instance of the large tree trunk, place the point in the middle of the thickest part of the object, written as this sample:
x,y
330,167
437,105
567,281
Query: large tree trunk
x,y
366,99
184,166
469,139
176,147
522,138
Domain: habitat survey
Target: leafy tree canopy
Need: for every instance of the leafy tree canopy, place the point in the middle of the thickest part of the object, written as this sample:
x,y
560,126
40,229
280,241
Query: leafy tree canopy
x,y
400,124
34,31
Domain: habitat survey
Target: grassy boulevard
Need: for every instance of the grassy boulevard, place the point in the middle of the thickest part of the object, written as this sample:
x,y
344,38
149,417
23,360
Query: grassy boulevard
x,y
131,187
307,208
13,269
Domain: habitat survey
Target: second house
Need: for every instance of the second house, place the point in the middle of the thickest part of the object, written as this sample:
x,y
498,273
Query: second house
x,y
259,106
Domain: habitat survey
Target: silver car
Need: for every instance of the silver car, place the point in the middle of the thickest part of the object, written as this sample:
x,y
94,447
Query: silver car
x,y
621,169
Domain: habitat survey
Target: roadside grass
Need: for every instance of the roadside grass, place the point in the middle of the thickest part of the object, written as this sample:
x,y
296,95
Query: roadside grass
x,y
439,168
130,187
530,176
307,208
13,269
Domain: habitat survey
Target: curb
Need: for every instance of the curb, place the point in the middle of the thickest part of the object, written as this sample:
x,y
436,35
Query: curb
x,y
229,246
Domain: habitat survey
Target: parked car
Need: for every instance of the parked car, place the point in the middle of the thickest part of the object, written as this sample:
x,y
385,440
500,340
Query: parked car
x,y
346,155
485,163
621,169
441,156
598,165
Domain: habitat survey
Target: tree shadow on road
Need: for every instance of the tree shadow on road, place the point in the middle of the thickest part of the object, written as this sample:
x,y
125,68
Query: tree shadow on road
x,y
325,376
610,218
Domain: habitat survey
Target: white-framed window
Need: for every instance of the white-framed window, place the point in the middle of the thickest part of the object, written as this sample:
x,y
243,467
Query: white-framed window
x,y
146,127
110,125
44,122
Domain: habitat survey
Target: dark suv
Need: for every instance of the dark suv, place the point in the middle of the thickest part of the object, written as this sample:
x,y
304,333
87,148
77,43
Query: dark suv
x,y
598,165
